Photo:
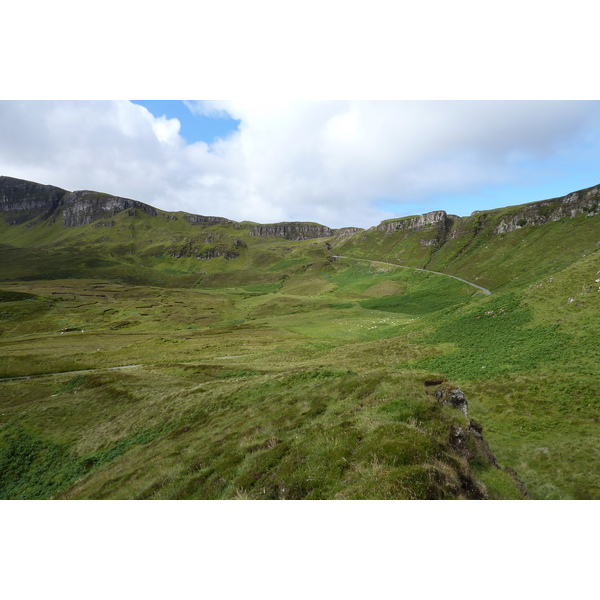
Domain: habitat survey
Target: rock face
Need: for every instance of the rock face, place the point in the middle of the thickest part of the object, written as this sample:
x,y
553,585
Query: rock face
x,y
537,213
83,208
24,200
435,218
292,231
438,224
345,232
452,396
469,443
199,219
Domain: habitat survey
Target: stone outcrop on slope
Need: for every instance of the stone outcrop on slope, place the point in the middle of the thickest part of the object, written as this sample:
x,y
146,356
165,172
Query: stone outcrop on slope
x,y
202,220
436,218
345,232
438,224
23,200
538,213
85,207
292,231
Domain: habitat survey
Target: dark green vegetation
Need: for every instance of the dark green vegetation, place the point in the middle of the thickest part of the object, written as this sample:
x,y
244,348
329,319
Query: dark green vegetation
x,y
263,367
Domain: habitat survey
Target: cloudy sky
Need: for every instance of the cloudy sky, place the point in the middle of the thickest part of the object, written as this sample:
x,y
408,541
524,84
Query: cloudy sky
x,y
340,163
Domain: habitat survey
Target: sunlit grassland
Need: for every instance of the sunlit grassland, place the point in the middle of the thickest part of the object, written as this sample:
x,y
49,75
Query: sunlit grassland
x,y
239,393
218,432
531,370
283,374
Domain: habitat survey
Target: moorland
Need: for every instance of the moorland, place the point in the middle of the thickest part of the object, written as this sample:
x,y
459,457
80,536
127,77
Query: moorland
x,y
147,354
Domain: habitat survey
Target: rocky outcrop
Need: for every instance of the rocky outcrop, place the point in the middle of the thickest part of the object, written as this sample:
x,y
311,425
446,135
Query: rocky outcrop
x,y
23,200
437,225
200,219
85,207
538,213
345,232
452,396
436,218
292,231
416,222
216,253
469,443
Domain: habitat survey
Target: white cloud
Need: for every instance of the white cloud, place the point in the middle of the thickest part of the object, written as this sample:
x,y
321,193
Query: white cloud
x,y
321,161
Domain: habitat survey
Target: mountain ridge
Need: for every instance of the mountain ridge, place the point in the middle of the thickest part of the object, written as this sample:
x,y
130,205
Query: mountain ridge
x,y
82,207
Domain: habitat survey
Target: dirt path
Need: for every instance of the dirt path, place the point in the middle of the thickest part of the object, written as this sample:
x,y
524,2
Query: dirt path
x,y
486,292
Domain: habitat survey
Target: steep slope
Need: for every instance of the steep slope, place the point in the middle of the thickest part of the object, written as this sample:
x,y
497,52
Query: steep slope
x,y
500,248
50,233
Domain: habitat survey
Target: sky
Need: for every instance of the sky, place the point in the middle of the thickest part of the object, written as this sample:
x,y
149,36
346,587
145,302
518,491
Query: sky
x,y
339,163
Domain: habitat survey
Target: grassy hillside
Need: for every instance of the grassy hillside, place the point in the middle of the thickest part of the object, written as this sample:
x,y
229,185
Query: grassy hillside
x,y
283,372
475,251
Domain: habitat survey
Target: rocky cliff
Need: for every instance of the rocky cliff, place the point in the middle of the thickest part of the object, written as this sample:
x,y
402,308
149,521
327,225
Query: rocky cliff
x,y
22,200
292,231
437,225
345,232
538,213
85,207
202,220
436,218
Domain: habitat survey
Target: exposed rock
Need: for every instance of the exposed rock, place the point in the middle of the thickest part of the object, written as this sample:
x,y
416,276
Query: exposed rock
x,y
431,219
345,232
196,219
292,231
24,200
469,443
85,207
538,213
437,222
452,396
215,253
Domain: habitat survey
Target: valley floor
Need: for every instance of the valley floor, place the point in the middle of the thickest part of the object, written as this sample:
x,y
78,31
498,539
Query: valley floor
x,y
319,388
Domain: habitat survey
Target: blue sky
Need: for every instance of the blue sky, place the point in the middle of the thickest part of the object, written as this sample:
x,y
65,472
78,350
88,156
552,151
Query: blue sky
x,y
194,127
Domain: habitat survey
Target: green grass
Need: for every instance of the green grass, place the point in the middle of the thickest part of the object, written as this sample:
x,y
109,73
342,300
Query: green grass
x,y
309,434
283,374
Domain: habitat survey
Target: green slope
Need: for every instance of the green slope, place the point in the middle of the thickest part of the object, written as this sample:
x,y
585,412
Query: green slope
x,y
282,372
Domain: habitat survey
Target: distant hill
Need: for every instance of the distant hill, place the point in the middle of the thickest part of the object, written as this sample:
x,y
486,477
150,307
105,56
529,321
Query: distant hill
x,y
508,246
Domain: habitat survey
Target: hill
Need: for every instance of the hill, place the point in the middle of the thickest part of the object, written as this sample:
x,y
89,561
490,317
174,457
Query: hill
x,y
266,361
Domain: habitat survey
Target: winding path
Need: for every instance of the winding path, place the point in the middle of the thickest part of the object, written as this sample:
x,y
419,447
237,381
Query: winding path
x,y
486,292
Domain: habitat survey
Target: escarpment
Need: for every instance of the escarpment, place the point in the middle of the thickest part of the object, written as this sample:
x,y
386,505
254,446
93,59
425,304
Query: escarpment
x,y
345,232
26,200
85,207
23,200
292,231
538,213
436,218
436,225
202,220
